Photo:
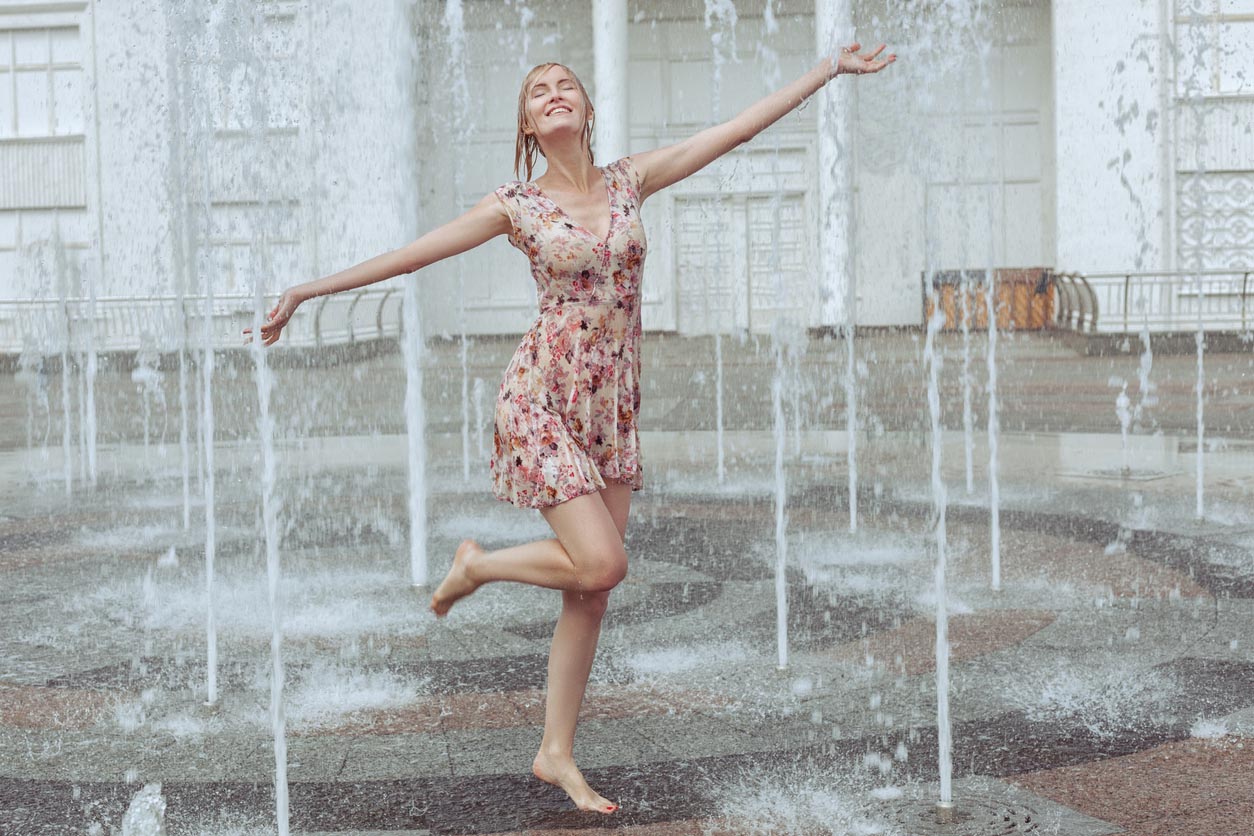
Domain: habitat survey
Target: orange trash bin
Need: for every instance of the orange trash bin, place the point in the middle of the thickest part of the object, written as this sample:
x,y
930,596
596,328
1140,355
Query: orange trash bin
x,y
1024,298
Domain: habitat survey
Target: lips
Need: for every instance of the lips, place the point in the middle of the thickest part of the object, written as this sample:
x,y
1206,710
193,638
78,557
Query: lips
x,y
558,109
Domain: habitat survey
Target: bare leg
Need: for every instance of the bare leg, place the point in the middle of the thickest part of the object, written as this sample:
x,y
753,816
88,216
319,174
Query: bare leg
x,y
541,563
547,563
570,661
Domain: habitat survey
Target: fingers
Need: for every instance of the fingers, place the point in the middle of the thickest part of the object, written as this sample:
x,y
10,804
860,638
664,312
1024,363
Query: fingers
x,y
268,333
879,65
850,61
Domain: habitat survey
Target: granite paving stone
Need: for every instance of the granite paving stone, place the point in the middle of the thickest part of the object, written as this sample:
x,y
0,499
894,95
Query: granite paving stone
x,y
1108,685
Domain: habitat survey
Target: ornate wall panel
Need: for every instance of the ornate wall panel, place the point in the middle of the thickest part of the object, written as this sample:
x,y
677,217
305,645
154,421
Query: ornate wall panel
x,y
1216,220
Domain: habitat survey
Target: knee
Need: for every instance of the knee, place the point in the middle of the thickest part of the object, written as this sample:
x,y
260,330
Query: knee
x,y
589,602
606,573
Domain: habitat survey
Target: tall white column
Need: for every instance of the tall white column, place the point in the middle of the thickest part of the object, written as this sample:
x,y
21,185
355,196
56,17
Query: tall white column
x,y
833,27
127,54
611,134
1113,140
367,156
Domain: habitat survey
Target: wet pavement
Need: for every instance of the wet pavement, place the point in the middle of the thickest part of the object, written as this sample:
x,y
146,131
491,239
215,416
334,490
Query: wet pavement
x,y
1106,687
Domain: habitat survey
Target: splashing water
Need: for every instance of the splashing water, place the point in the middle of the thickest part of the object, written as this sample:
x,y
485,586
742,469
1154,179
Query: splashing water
x,y
944,739
269,512
1124,414
415,427
145,816
462,129
1106,700
720,22
799,799
781,499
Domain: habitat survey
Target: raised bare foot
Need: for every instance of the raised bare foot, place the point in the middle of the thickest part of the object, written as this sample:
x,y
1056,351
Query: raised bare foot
x,y
560,771
457,583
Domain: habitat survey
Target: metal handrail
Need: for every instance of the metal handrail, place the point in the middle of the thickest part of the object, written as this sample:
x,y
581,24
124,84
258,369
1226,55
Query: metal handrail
x,y
379,313
322,303
1075,316
1091,296
1064,290
1139,274
117,320
1078,305
348,317
1171,279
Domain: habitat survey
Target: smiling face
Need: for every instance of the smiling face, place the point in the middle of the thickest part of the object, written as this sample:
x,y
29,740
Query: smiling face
x,y
553,107
555,104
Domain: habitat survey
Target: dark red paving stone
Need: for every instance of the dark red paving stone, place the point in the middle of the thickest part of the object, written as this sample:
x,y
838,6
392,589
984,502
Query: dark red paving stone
x,y
446,712
36,707
261,644
1029,555
616,702
39,526
515,709
1183,788
15,559
970,635
1224,819
685,827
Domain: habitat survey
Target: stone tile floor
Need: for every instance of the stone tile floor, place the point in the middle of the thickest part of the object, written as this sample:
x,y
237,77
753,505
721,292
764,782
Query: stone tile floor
x,y
1107,687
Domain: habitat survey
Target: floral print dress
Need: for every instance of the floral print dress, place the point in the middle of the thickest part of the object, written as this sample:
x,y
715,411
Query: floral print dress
x,y
567,410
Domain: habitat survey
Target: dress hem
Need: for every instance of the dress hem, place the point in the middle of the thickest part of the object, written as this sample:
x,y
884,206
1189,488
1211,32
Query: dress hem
x,y
630,482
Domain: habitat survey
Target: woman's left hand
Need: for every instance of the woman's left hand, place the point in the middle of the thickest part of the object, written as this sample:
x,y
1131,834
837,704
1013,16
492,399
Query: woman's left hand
x,y
849,61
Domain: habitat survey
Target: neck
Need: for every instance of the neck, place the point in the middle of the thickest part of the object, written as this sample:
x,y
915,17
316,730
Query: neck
x,y
568,167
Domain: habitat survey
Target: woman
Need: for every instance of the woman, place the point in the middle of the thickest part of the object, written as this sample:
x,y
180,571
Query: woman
x,y
566,434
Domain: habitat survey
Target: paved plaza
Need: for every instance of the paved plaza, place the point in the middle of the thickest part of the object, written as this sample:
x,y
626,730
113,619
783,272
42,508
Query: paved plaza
x,y
1107,687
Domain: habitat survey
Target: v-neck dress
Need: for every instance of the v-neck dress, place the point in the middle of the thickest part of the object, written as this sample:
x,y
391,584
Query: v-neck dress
x,y
566,412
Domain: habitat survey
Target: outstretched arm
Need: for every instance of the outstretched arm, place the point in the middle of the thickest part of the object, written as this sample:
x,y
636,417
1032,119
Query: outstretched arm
x,y
663,167
483,221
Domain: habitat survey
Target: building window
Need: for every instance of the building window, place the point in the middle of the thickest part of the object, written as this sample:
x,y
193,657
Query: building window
x,y
41,82
1214,48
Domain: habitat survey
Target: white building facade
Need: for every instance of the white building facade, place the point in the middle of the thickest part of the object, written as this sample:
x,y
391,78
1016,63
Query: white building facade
x,y
1059,134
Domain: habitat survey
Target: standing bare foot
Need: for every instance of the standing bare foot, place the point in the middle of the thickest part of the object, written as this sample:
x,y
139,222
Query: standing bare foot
x,y
457,583
560,771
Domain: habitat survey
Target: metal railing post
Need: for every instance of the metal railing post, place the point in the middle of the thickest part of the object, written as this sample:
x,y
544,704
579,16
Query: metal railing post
x,y
378,317
352,306
1127,299
318,321
1091,297
1245,281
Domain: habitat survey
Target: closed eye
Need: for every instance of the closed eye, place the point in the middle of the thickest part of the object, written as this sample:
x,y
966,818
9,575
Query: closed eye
x,y
540,89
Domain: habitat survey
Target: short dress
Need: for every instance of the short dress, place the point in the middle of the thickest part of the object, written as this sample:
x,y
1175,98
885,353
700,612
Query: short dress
x,y
567,410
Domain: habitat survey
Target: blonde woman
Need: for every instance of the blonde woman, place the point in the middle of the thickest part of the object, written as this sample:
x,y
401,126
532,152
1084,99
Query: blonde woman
x,y
566,436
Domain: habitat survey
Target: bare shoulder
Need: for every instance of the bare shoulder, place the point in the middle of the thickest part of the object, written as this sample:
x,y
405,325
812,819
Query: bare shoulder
x,y
494,206
639,165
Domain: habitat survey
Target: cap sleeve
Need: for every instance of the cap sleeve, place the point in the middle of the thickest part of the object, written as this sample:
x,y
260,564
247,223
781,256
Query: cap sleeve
x,y
508,195
631,177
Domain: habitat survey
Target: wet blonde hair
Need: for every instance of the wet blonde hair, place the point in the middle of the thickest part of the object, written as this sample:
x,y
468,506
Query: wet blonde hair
x,y
526,146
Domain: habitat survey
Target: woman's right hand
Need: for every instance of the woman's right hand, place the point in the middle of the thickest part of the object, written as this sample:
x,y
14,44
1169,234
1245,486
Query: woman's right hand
x,y
847,60
277,318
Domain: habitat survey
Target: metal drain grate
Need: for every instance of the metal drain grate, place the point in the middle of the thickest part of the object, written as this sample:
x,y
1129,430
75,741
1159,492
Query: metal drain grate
x,y
972,816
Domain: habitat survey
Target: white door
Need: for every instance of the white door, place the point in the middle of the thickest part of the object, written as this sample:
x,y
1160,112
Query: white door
x,y
740,262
